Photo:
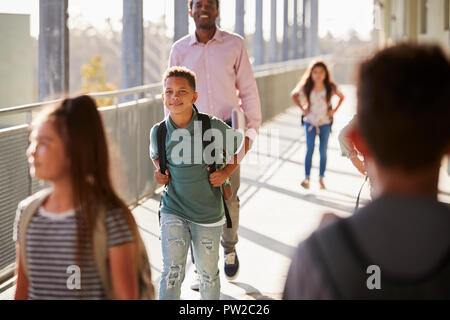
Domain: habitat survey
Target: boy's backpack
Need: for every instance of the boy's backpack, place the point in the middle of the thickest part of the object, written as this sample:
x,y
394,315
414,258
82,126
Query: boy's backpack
x,y
28,207
161,142
344,266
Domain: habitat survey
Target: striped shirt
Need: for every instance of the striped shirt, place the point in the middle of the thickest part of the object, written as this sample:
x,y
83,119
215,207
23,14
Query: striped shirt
x,y
51,255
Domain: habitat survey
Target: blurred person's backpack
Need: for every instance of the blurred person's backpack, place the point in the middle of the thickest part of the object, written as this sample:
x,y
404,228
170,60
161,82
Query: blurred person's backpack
x,y
344,266
161,141
28,207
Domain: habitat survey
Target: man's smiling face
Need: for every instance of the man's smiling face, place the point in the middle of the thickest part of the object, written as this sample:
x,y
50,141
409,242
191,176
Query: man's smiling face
x,y
204,13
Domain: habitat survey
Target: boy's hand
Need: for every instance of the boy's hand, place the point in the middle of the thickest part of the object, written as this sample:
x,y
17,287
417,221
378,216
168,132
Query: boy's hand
x,y
162,178
306,111
218,177
331,112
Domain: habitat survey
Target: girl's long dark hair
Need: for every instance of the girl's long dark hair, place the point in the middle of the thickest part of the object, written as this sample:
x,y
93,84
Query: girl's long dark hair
x,y
307,84
80,126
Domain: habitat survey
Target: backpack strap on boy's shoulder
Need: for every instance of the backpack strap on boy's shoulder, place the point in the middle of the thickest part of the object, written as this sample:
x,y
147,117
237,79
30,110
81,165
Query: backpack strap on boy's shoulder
x,y
162,155
26,210
206,125
161,141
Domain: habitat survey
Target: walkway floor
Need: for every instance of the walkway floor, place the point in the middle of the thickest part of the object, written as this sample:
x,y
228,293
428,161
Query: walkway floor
x,y
276,212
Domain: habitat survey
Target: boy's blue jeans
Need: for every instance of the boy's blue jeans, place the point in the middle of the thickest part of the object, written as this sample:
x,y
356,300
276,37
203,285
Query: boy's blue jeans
x,y
176,235
324,134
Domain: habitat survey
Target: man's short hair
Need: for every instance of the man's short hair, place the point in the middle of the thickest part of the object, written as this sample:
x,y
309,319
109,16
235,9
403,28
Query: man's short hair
x,y
404,105
181,72
190,2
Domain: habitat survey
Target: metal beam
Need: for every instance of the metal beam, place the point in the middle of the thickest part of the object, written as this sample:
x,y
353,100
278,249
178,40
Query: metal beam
x,y
53,69
314,28
304,43
240,14
273,45
181,22
295,35
285,51
132,44
258,42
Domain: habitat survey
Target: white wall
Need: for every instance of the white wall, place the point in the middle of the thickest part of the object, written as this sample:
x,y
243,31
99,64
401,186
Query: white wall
x,y
435,26
392,17
16,64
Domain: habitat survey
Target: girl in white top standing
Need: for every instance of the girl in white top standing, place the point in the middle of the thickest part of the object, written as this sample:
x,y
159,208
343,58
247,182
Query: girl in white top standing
x,y
313,95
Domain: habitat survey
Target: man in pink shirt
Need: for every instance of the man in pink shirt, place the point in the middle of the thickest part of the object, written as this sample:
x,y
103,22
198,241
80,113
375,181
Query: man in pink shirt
x,y
224,81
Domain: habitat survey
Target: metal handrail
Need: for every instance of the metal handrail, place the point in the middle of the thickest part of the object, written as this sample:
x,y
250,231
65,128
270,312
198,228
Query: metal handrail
x,y
115,93
275,67
258,70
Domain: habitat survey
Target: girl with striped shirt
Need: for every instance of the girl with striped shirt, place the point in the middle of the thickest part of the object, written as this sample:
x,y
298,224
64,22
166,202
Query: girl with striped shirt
x,y
68,149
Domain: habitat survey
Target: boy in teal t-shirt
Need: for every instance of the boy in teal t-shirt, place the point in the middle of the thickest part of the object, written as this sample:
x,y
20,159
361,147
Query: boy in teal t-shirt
x,y
191,207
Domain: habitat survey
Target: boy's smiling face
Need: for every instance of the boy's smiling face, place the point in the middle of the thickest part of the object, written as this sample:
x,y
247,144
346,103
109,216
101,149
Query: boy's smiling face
x,y
178,96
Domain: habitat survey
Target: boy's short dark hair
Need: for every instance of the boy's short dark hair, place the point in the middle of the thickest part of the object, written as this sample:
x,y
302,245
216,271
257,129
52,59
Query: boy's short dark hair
x,y
181,72
404,105
190,2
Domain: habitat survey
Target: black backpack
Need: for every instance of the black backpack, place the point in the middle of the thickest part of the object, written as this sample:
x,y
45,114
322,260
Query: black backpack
x,y
161,141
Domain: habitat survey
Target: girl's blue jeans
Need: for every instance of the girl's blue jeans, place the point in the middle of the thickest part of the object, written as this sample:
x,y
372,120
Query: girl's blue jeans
x,y
324,134
176,235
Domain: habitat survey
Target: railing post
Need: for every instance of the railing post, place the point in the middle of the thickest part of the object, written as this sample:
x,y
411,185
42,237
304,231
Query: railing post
x,y
258,45
314,27
53,69
132,45
295,31
29,119
138,153
273,45
181,22
240,14
116,118
285,54
304,43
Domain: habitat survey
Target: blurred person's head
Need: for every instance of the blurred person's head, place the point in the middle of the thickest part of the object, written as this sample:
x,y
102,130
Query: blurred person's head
x,y
404,109
68,142
317,74
179,90
204,13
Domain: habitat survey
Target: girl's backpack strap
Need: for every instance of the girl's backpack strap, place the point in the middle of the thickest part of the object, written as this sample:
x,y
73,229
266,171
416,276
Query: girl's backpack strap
x,y
25,211
101,258
100,252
